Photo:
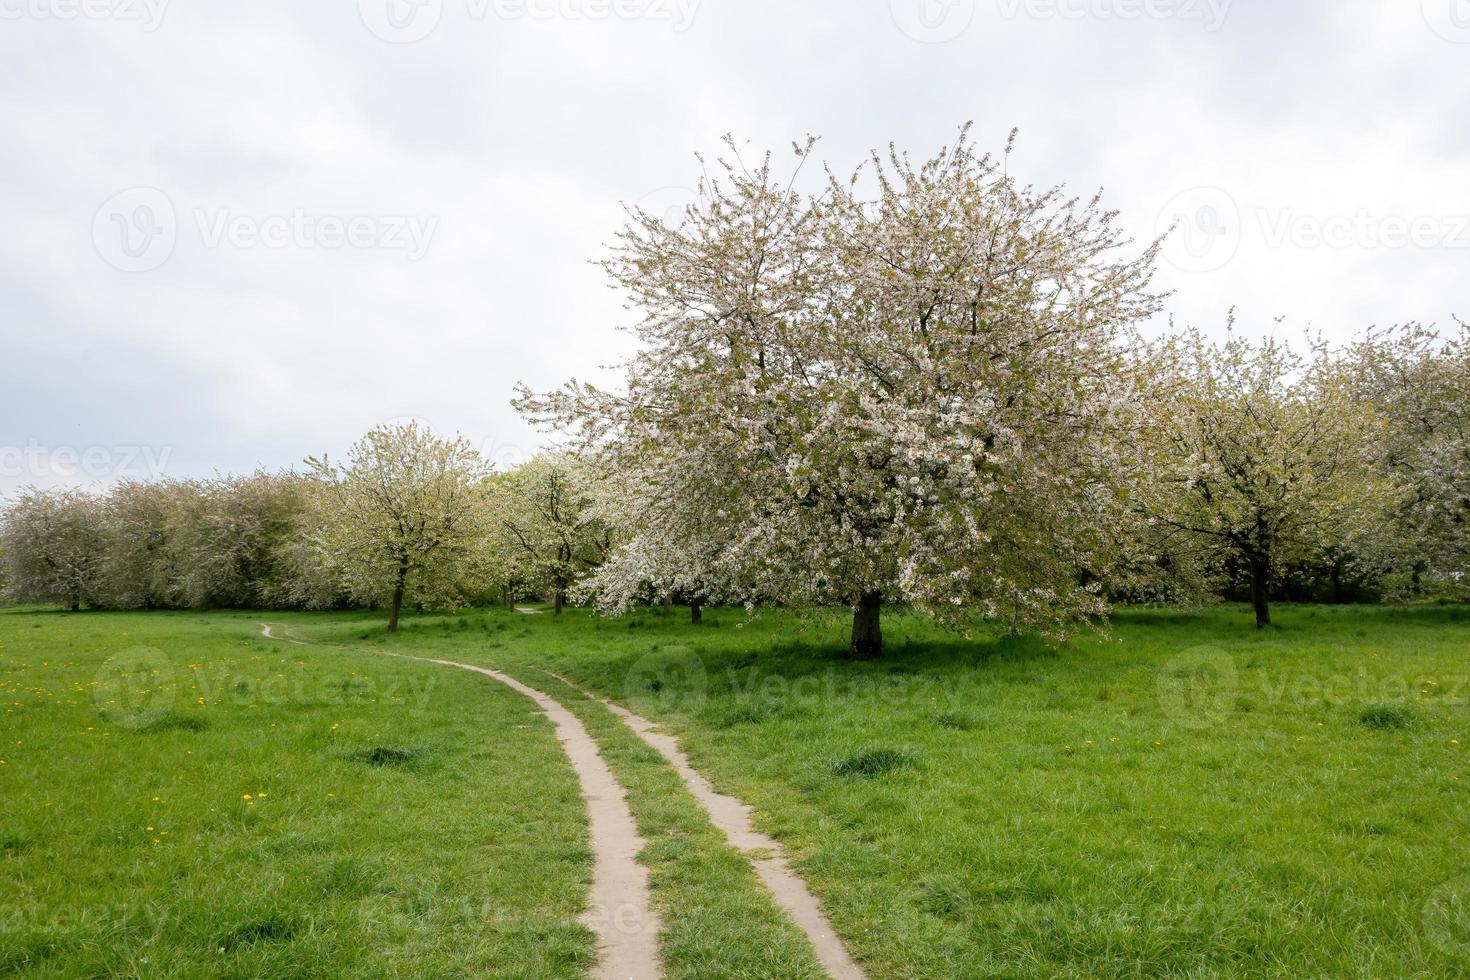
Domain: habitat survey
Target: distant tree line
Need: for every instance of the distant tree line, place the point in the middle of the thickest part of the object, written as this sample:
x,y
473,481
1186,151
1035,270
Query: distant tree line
x,y
408,517
922,385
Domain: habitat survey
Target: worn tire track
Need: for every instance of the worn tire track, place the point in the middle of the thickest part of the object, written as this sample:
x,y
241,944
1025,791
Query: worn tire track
x,y
733,819
618,912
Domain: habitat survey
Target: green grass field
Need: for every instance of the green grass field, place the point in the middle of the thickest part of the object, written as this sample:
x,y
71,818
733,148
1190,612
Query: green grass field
x,y
266,809
1187,798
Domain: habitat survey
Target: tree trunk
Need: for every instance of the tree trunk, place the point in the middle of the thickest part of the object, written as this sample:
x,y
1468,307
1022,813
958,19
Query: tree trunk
x,y
559,600
1260,580
696,611
73,602
867,633
397,606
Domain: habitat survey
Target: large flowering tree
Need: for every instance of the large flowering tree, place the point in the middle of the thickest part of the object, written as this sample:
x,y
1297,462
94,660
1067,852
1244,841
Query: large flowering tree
x,y
898,389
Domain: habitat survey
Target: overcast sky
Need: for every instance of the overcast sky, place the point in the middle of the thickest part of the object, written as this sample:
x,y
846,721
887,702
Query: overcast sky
x,y
238,233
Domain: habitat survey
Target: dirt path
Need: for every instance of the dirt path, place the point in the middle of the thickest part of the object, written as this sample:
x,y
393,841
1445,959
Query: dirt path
x,y
265,631
765,853
618,909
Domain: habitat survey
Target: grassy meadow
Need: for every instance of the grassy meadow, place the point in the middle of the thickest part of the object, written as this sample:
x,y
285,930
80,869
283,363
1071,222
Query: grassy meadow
x,y
1188,797
184,798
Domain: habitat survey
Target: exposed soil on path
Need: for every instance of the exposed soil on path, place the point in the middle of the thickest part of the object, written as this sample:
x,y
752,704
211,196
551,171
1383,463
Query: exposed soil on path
x,y
767,855
265,631
618,908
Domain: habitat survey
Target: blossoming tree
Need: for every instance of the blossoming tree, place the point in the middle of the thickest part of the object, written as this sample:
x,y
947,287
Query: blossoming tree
x,y
547,528
895,389
1420,381
405,513
1253,453
51,543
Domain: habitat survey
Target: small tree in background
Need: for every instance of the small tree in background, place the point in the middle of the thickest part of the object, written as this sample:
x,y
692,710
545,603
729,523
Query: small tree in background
x,y
547,524
1252,453
404,515
142,564
1420,382
233,544
52,543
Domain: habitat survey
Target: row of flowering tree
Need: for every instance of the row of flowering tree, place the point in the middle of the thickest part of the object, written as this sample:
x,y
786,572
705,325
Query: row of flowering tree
x,y
405,517
919,384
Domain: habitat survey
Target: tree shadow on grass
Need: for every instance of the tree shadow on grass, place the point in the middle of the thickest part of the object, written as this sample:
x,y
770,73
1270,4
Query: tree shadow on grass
x,y
904,657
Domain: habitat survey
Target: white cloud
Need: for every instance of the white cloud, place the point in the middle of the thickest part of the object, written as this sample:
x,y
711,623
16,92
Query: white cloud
x,y
517,137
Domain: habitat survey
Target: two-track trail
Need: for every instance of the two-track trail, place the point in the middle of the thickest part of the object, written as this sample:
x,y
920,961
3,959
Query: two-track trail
x,y
733,819
618,908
